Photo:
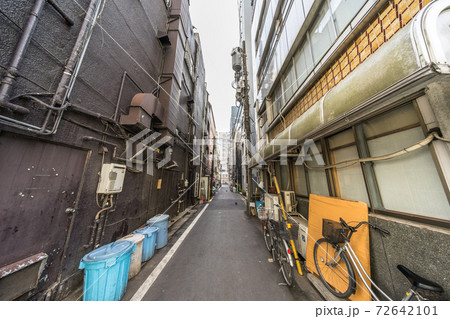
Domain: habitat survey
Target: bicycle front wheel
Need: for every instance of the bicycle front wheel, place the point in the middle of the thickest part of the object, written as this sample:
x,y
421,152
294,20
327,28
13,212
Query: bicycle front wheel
x,y
286,268
267,237
336,273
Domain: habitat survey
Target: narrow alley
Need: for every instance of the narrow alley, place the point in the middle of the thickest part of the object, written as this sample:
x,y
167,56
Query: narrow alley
x,y
211,150
222,258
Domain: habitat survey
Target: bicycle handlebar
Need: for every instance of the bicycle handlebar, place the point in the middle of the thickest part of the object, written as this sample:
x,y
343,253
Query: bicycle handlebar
x,y
353,229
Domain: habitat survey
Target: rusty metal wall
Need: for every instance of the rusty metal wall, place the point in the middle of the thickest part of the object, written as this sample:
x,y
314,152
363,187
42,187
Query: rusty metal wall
x,y
39,182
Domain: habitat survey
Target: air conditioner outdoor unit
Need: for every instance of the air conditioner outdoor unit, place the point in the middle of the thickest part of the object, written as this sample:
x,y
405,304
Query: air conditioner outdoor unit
x,y
274,211
290,201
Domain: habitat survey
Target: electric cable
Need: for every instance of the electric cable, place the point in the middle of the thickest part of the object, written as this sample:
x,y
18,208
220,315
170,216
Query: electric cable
x,y
404,151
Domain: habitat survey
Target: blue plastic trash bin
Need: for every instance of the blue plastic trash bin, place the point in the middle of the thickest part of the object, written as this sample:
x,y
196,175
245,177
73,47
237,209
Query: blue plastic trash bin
x,y
148,247
106,271
162,222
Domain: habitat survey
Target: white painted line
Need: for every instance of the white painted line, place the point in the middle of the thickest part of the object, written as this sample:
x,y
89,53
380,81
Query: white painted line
x,y
140,293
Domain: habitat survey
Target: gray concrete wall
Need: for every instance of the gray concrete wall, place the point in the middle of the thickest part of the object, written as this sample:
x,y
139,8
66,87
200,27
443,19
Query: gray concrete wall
x,y
423,249
438,94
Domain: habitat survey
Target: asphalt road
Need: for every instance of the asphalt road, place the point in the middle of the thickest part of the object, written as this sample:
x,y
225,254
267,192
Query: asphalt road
x,y
222,258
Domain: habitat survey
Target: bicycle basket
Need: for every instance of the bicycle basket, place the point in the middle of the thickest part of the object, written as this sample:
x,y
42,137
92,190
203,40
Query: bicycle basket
x,y
262,212
334,231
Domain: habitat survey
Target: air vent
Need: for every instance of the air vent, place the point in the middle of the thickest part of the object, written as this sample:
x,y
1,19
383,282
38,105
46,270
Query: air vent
x,y
163,38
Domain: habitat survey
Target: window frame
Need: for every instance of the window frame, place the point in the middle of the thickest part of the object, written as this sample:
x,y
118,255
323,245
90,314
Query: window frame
x,y
368,173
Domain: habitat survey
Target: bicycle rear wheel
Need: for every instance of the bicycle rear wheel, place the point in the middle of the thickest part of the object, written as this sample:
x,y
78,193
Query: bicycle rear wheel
x,y
286,268
267,237
336,274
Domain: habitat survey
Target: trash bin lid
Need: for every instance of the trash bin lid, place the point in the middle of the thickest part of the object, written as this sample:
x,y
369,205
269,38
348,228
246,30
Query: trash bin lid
x,y
158,218
135,238
115,249
147,231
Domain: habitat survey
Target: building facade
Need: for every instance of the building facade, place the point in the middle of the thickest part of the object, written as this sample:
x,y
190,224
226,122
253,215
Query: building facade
x,y
364,80
224,147
90,85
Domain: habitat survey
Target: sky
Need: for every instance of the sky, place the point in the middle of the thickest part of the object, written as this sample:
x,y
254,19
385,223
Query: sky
x,y
217,23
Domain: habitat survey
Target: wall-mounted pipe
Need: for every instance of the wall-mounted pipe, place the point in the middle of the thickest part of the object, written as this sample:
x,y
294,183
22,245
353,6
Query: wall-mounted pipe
x,y
17,57
95,227
68,20
116,112
73,65
68,78
94,139
101,224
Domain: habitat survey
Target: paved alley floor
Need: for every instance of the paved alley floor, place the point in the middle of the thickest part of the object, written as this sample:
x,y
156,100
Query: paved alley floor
x,y
223,257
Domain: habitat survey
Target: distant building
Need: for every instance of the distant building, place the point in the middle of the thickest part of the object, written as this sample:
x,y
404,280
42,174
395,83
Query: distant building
x,y
224,145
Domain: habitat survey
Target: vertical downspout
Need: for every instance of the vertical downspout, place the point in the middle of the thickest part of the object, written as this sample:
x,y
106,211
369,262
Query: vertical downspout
x,y
19,53
197,46
73,65
69,75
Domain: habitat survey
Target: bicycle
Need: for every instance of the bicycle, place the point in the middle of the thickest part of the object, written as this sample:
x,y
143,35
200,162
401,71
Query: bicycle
x,y
337,273
276,240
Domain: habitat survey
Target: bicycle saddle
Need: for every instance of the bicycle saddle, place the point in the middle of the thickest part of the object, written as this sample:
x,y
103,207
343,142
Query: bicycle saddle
x,y
418,281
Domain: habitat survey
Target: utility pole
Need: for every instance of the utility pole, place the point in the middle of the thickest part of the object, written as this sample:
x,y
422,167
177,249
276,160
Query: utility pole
x,y
246,89
205,109
239,63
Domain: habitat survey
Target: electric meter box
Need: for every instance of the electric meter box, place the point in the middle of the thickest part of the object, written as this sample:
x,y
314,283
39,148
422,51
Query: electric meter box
x,y
111,179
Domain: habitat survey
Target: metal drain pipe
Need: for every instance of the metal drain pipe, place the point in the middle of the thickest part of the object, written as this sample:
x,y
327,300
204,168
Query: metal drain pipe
x,y
67,81
73,65
21,48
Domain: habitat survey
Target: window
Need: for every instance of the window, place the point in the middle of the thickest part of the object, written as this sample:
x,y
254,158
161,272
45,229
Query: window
x,y
307,4
444,32
278,101
300,180
265,26
269,110
327,23
294,21
409,183
350,179
317,178
289,84
303,63
322,33
285,178
344,11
